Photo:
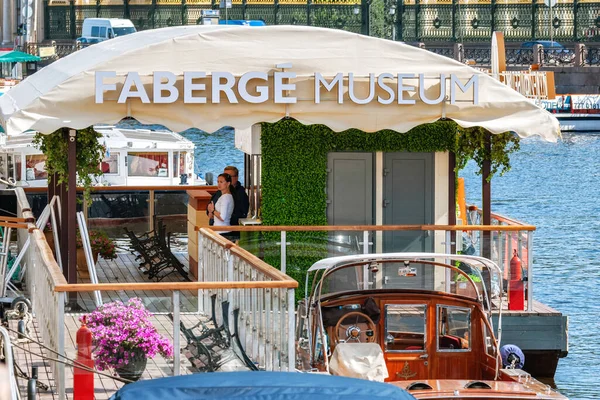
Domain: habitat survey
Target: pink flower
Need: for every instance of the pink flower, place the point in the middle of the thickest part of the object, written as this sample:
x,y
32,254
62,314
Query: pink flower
x,y
122,331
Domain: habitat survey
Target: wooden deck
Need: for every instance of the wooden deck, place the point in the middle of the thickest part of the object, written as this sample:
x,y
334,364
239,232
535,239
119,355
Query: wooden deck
x,y
125,269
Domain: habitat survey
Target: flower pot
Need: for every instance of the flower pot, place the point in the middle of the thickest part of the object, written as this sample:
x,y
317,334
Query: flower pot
x,y
82,268
135,368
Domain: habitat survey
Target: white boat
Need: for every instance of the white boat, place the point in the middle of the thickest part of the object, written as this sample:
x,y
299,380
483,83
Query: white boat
x,y
576,113
134,157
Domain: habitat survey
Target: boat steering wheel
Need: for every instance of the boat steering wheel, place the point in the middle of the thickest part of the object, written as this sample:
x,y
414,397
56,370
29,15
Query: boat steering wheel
x,y
352,328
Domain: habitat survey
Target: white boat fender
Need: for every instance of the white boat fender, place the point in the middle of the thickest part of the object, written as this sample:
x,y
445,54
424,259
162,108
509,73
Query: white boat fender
x,y
512,356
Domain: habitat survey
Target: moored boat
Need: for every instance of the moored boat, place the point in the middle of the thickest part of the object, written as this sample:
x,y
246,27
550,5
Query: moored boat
x,y
422,321
133,157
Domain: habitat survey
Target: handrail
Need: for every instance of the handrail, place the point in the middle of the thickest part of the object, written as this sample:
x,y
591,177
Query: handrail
x,y
330,228
90,287
259,264
47,257
115,188
508,220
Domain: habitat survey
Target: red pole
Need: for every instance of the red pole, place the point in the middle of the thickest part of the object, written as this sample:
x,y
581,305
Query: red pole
x,y
83,381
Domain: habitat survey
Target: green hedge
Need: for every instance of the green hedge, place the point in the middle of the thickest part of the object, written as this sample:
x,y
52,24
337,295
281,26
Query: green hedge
x,y
294,178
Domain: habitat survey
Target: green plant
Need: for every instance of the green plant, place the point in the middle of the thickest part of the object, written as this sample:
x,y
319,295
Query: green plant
x,y
471,144
462,278
89,156
101,244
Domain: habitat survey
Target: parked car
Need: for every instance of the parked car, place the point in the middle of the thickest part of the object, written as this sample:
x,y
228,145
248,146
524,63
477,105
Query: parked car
x,y
96,30
547,44
554,52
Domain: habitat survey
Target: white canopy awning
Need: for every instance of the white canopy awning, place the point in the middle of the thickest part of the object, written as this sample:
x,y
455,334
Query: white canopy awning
x,y
63,93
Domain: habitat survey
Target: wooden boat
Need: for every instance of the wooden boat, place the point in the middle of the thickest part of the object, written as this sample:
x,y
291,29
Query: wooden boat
x,y
420,321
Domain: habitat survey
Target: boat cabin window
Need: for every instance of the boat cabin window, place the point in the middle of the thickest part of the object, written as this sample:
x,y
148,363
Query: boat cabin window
x,y
179,162
110,164
148,164
4,166
453,328
14,166
35,167
405,327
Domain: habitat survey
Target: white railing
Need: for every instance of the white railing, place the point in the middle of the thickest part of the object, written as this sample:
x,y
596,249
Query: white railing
x,y
496,242
262,295
266,312
531,84
42,277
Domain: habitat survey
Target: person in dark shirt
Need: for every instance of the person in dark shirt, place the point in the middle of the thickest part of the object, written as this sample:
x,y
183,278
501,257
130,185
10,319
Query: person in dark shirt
x,y
241,200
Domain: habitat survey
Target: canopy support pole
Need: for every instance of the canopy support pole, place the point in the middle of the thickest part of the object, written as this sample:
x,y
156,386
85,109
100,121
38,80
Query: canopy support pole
x,y
71,215
486,197
452,198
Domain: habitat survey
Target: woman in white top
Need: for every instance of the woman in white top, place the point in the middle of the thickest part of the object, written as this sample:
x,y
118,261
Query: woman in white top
x,y
224,206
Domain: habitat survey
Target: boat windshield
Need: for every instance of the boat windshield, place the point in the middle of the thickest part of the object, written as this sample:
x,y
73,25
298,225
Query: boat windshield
x,y
466,276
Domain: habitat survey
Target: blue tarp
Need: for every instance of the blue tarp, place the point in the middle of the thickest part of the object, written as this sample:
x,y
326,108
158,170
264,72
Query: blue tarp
x,y
249,385
252,22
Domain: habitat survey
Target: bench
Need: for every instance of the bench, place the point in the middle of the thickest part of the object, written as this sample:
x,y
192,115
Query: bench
x,y
156,257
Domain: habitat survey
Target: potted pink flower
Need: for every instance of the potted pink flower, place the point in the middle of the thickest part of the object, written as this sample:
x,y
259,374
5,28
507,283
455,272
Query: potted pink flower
x,y
124,338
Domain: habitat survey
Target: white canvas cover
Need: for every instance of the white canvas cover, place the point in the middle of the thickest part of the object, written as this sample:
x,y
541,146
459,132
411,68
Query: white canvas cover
x,y
63,93
359,360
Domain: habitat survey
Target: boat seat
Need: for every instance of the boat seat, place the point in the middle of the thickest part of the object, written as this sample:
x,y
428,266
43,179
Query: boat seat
x,y
359,360
450,342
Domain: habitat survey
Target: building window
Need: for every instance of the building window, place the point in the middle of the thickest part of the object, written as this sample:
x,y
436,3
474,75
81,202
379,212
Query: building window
x,y
148,164
110,164
35,167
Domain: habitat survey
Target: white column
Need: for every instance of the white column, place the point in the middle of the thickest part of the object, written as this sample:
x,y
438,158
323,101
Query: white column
x,y
6,22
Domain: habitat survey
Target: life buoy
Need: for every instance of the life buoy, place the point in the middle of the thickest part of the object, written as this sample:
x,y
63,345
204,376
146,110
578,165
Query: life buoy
x,y
512,356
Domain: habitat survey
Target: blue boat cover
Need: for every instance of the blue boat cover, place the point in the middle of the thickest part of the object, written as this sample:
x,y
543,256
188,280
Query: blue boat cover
x,y
249,385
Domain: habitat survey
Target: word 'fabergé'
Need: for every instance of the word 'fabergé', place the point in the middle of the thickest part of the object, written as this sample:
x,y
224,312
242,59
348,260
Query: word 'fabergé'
x,y
164,90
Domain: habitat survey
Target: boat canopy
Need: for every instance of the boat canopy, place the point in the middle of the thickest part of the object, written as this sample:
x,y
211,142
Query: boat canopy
x,y
340,79
480,277
251,385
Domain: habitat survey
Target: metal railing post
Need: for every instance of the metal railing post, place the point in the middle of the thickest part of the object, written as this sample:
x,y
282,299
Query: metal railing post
x,y
151,209
283,252
60,344
230,278
176,338
529,271
200,259
291,330
365,242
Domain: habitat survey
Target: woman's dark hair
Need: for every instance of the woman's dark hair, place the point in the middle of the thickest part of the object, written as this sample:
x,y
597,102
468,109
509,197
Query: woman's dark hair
x,y
232,190
227,178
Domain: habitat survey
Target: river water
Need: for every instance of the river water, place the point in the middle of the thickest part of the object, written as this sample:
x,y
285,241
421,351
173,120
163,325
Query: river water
x,y
554,186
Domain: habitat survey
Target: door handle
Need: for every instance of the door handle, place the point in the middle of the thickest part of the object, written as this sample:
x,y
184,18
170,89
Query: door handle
x,y
424,356
385,203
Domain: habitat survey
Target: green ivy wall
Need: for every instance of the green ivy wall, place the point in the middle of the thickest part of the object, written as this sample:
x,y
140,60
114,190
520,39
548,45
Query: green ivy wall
x,y
294,178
